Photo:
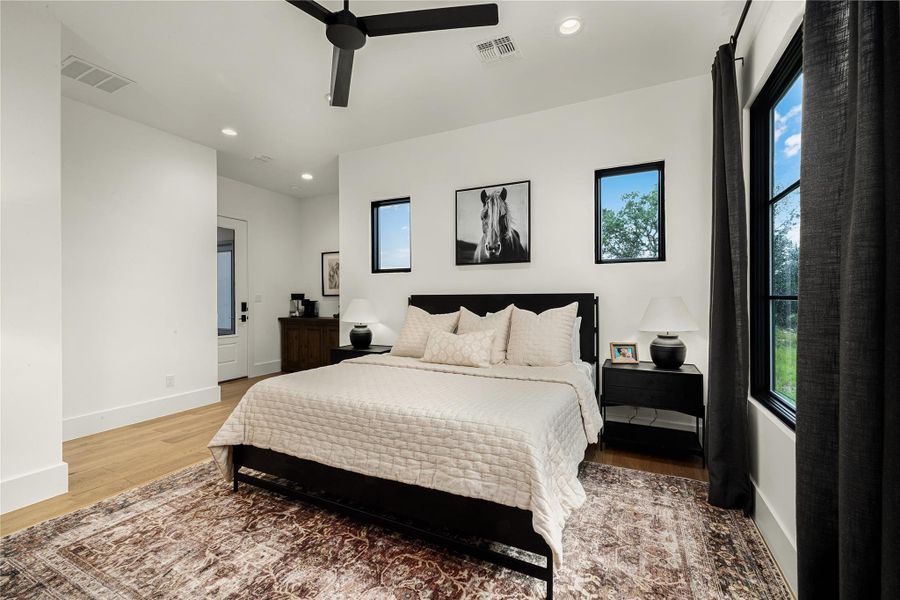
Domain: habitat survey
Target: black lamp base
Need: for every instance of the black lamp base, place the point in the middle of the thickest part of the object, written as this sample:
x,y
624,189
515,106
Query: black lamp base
x,y
361,337
668,352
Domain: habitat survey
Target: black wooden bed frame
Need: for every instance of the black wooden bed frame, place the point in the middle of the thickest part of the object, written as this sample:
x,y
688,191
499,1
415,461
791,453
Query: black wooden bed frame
x,y
438,517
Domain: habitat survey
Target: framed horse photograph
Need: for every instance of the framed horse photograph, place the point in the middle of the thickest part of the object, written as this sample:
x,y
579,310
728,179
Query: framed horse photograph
x,y
493,224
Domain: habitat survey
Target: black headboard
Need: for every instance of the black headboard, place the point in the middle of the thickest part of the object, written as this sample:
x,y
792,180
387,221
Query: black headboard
x,y
481,304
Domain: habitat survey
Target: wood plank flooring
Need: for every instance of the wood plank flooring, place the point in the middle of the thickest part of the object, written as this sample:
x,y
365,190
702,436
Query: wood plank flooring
x,y
107,463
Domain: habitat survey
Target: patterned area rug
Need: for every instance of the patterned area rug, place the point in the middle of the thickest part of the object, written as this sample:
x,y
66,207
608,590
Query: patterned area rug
x,y
639,536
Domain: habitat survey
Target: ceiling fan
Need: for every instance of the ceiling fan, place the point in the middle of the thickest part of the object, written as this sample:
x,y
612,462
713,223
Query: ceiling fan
x,y
348,33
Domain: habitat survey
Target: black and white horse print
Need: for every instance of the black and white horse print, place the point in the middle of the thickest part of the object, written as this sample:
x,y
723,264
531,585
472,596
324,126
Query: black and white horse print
x,y
500,242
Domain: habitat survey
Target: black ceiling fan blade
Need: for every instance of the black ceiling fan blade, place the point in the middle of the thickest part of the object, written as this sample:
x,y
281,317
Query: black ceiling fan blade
x,y
312,8
455,17
341,68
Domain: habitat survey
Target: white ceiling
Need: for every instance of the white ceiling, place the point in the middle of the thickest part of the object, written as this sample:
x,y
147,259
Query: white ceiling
x,y
263,68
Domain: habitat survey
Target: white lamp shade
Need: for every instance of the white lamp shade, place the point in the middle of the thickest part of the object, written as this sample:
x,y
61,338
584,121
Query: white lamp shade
x,y
359,311
667,314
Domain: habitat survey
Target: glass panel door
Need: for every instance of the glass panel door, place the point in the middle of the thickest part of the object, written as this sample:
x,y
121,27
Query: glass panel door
x,y
225,281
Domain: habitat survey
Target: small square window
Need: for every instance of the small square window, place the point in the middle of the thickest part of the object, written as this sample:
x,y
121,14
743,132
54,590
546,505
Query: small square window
x,y
390,236
630,224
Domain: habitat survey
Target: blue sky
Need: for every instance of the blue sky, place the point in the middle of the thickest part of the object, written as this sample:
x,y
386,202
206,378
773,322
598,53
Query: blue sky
x,y
786,119
393,236
613,188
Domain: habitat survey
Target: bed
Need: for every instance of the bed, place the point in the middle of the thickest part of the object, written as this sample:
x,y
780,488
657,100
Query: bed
x,y
459,456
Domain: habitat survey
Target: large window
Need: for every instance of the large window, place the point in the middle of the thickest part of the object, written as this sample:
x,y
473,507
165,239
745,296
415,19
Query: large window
x,y
775,225
630,216
390,236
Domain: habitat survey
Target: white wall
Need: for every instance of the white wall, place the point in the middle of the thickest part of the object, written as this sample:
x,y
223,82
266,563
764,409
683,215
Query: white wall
x,y
31,466
770,27
139,271
286,238
558,150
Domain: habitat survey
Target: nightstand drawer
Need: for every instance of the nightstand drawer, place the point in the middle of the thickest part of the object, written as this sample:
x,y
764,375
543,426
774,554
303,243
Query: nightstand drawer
x,y
651,398
343,353
646,381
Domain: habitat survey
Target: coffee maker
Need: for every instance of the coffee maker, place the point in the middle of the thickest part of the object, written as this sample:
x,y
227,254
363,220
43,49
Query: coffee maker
x,y
310,308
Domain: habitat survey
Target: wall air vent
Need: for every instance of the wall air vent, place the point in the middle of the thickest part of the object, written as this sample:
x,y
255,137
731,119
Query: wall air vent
x,y
497,49
92,75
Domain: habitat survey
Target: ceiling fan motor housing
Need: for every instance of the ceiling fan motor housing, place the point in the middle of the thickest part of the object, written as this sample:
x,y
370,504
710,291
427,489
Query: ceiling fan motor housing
x,y
344,31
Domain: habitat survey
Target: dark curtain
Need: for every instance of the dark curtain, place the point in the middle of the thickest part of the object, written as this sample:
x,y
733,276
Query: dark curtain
x,y
726,424
848,372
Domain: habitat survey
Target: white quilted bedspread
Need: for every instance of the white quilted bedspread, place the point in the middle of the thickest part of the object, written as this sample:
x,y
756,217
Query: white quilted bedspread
x,y
513,435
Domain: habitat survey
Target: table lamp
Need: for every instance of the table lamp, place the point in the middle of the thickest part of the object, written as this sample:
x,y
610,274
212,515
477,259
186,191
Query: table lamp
x,y
667,315
360,313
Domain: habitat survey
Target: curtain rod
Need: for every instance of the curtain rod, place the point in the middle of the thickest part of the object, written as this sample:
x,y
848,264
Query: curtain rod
x,y
737,30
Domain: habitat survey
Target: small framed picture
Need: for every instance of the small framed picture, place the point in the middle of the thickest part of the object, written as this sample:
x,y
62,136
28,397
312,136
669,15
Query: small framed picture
x,y
623,352
331,273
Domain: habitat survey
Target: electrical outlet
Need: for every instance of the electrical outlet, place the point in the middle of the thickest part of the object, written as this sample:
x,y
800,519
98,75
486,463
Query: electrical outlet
x,y
170,381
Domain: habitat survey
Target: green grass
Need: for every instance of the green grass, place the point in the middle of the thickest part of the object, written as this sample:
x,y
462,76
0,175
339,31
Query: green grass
x,y
785,359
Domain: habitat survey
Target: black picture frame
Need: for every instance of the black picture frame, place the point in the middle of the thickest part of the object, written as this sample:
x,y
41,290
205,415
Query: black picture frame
x,y
376,268
462,248
326,289
660,167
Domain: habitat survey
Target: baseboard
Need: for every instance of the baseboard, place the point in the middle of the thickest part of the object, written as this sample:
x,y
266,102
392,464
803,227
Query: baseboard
x,y
265,368
20,491
782,546
103,420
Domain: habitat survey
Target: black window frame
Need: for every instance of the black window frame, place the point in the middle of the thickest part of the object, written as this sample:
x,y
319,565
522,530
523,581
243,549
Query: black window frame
x,y
374,218
660,167
789,67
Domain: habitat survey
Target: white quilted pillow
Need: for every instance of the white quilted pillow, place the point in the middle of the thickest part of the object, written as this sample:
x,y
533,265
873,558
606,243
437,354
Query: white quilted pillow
x,y
416,329
576,340
499,322
466,349
543,340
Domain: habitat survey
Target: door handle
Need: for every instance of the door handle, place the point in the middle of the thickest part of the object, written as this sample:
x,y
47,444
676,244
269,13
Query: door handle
x,y
243,318
244,307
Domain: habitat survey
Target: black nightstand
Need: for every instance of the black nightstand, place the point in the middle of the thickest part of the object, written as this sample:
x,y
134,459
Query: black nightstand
x,y
344,352
645,385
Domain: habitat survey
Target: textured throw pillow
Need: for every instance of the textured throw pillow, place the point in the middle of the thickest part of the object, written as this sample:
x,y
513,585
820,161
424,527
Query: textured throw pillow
x,y
543,340
576,340
416,329
498,322
467,349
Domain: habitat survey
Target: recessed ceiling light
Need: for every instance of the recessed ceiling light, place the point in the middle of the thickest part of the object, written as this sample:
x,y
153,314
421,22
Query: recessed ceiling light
x,y
306,176
229,132
570,26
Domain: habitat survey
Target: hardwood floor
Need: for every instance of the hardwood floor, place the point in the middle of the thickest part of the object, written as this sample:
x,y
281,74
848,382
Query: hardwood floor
x,y
107,463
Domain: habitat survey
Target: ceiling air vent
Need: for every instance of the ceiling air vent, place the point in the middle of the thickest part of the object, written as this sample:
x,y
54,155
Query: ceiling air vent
x,y
262,158
94,76
497,49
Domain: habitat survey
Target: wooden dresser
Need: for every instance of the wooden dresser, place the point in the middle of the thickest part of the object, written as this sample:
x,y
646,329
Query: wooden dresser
x,y
306,343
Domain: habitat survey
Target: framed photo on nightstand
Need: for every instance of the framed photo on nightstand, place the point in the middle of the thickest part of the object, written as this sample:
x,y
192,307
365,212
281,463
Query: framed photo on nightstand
x,y
623,352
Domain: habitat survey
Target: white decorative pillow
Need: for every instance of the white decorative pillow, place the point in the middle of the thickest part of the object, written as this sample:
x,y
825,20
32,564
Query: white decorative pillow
x,y
466,349
416,329
543,340
498,322
576,340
